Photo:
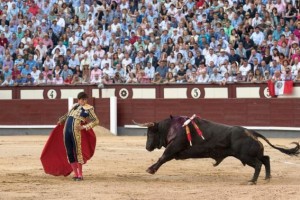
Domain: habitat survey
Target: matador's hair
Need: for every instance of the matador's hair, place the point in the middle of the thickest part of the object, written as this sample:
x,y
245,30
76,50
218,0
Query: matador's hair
x,y
82,95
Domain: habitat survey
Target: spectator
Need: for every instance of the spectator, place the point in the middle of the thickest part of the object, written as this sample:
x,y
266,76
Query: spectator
x,y
131,78
193,78
117,78
41,80
18,80
96,71
118,32
297,78
35,73
28,80
68,79
157,78
76,80
162,69
215,77
96,79
169,78
203,77
277,76
58,80
226,79
8,81
245,68
15,72
107,80
181,74
3,40
120,70
66,72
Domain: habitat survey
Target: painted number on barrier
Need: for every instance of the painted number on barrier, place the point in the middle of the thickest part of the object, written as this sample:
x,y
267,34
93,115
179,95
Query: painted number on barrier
x,y
267,93
195,93
124,93
51,94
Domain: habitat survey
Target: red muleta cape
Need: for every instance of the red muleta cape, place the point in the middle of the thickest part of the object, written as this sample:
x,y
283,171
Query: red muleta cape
x,y
54,156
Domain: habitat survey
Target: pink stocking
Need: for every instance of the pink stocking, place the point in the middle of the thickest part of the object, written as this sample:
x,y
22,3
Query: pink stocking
x,y
75,168
79,170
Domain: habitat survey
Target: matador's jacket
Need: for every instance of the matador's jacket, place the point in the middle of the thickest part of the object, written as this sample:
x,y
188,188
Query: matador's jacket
x,y
78,115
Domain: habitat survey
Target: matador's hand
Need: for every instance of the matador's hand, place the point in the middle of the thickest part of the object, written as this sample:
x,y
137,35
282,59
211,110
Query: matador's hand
x,y
79,127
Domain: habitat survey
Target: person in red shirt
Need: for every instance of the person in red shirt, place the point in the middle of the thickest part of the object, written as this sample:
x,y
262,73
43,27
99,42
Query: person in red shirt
x,y
68,80
34,9
3,41
200,3
133,38
15,72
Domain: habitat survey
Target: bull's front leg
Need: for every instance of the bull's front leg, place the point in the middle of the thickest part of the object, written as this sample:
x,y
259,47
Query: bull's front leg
x,y
168,155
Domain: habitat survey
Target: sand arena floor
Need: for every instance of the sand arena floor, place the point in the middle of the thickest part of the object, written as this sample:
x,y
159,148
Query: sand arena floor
x,y
117,171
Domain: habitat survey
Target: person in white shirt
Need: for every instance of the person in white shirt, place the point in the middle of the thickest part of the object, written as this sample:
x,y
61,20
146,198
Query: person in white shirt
x,y
26,40
73,39
256,20
49,62
85,61
61,47
222,58
171,58
41,80
96,79
35,73
257,36
73,62
203,77
245,68
211,56
115,25
42,48
149,70
8,81
148,29
108,70
95,60
124,5
105,61
61,21
295,67
126,61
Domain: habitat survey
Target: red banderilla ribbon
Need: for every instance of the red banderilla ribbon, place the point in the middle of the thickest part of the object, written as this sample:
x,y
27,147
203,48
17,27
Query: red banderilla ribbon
x,y
198,130
188,134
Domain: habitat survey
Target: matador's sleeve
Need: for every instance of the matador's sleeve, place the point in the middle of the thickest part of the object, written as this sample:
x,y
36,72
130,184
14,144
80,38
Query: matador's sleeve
x,y
63,118
94,121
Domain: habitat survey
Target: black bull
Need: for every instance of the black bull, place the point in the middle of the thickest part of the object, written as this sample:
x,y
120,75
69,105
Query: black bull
x,y
220,142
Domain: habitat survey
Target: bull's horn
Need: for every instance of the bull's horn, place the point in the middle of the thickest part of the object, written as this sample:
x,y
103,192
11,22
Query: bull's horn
x,y
148,124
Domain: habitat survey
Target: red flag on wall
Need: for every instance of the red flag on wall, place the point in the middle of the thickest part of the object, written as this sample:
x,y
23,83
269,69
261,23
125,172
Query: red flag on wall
x,y
271,87
280,87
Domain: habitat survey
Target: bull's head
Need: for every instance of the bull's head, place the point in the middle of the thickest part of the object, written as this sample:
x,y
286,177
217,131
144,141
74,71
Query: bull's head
x,y
153,139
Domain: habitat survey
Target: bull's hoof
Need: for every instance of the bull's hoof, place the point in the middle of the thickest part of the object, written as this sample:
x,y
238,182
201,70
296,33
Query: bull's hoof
x,y
267,179
150,171
251,183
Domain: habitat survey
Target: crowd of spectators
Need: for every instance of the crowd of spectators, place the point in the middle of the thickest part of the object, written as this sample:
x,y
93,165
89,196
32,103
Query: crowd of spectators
x,y
148,41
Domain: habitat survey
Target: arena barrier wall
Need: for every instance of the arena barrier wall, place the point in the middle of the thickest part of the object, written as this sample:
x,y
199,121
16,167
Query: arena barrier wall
x,y
236,104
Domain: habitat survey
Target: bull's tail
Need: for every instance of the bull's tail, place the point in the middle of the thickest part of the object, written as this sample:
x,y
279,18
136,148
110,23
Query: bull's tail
x,y
292,152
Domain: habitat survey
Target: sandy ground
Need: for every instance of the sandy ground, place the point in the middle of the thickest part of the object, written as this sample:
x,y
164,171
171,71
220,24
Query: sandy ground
x,y
117,171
